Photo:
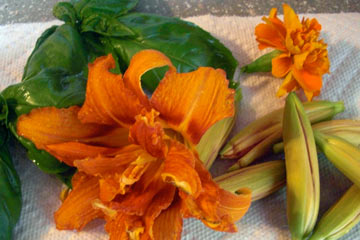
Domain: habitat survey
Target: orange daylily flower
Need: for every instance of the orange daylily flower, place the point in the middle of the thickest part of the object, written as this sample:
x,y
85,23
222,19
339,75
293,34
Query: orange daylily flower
x,y
136,159
304,58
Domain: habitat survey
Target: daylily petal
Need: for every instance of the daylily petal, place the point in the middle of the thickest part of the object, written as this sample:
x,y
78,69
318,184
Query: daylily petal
x,y
76,211
192,102
281,65
212,207
179,169
102,165
70,151
107,100
140,63
125,227
117,137
160,202
148,133
307,81
289,84
291,20
50,125
138,200
234,205
168,225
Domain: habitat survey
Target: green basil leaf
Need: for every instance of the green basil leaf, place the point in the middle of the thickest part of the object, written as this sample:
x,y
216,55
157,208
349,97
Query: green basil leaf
x,y
55,75
65,12
10,190
187,45
113,8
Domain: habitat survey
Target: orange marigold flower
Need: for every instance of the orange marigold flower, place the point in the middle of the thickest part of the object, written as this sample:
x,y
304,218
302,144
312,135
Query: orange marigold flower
x,y
136,159
304,58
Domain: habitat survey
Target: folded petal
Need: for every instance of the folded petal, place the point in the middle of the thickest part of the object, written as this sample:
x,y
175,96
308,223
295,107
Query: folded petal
x,y
102,165
137,201
168,225
140,63
204,207
216,208
148,133
234,205
70,151
52,125
281,65
160,202
179,169
125,227
192,102
107,100
76,211
289,84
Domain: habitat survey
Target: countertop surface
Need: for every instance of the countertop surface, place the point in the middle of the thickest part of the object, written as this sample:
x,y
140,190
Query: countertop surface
x,y
20,11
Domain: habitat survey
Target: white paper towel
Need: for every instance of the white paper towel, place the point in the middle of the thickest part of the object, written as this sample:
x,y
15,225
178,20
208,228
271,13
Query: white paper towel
x,y
266,218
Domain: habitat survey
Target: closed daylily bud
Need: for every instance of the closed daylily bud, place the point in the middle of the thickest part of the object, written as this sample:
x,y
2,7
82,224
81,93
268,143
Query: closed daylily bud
x,y
262,179
302,171
340,218
348,130
257,138
344,155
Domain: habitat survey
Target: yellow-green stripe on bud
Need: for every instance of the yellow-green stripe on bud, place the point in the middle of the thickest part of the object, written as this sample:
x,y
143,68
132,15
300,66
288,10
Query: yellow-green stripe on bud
x,y
263,179
344,155
340,218
302,170
257,138
347,129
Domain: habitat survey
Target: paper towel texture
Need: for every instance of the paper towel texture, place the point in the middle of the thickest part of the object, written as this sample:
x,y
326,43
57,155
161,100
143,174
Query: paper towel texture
x,y
267,217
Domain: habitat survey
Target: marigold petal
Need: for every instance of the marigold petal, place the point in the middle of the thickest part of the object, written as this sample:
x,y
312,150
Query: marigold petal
x,y
168,225
289,84
148,133
179,169
140,63
76,211
50,125
107,100
268,35
299,60
307,81
192,102
281,65
70,151
291,20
